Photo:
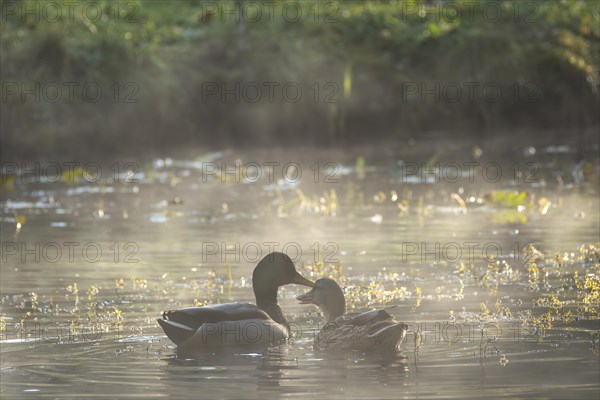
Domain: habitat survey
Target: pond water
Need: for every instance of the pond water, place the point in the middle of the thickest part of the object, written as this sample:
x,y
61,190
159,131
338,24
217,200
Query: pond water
x,y
497,278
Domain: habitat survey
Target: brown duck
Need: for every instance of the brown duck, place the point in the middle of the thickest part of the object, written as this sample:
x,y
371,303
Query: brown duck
x,y
367,331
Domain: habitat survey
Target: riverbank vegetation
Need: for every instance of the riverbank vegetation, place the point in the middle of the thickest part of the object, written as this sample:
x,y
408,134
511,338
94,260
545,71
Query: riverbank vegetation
x,y
122,78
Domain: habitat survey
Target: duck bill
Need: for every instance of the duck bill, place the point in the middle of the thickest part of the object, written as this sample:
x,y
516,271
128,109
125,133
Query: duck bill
x,y
307,298
300,280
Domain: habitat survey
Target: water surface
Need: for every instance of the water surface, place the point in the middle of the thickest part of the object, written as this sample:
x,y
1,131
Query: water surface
x,y
501,320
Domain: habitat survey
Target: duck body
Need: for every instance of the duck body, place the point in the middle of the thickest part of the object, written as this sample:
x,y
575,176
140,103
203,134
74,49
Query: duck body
x,y
222,324
374,330
366,331
234,324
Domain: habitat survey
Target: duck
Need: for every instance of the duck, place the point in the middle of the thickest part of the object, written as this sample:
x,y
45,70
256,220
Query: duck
x,y
238,323
366,331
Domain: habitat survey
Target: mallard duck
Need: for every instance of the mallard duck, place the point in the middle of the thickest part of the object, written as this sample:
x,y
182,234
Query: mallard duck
x,y
371,330
238,323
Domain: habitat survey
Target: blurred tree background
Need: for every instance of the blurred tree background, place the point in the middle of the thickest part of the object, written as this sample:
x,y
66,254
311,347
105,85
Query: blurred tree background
x,y
358,64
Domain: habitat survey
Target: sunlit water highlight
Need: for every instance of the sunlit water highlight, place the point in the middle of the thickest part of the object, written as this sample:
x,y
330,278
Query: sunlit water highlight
x,y
519,324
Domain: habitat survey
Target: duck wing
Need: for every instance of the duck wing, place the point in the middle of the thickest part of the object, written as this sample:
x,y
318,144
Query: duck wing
x,y
181,324
368,317
193,317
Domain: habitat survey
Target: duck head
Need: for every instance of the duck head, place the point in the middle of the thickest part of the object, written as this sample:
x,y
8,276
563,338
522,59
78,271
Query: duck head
x,y
275,270
328,296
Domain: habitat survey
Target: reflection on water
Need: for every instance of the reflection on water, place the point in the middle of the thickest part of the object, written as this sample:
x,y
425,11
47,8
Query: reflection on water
x,y
293,369
489,315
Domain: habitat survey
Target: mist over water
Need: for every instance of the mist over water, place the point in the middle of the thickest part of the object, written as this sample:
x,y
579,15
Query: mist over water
x,y
88,264
439,159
